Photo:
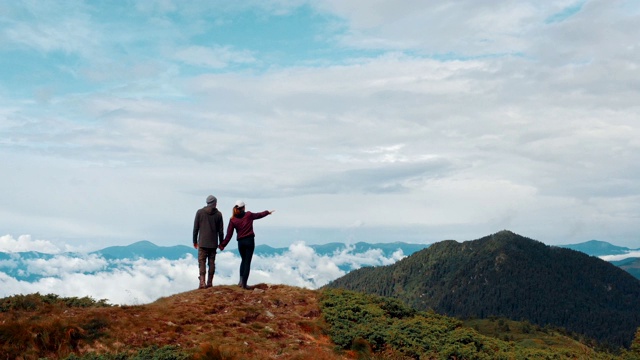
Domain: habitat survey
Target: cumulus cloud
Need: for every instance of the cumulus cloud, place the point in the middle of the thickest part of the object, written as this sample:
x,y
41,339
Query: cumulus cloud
x,y
142,281
61,265
25,243
301,266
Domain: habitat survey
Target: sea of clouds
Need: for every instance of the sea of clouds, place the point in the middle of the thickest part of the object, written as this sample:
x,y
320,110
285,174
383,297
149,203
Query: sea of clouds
x,y
630,254
140,281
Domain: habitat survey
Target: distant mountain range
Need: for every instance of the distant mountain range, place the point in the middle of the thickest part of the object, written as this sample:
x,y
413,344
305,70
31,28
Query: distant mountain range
x,y
149,250
146,250
599,248
333,249
507,275
20,265
16,265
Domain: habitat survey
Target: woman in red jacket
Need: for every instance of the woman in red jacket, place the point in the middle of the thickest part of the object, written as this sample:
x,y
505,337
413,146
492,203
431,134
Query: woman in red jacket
x,y
242,223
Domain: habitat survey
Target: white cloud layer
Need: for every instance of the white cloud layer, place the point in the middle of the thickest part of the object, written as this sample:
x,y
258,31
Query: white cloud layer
x,y
630,254
25,243
142,281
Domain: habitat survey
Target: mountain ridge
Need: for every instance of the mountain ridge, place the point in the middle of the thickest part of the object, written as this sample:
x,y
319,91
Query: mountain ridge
x,y
590,247
146,249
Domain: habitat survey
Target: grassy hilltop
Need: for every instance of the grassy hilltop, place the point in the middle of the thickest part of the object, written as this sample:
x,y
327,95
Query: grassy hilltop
x,y
270,322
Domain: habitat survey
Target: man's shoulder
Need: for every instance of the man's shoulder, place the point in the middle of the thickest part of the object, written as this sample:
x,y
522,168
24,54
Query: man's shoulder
x,y
201,210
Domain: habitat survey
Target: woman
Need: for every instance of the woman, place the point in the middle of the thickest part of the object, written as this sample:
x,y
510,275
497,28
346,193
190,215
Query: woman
x,y
242,223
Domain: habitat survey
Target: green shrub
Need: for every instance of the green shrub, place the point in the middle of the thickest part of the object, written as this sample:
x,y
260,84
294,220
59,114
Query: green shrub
x,y
363,323
32,302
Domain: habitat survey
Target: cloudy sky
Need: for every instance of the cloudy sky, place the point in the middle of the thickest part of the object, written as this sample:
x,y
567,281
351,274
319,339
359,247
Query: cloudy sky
x,y
356,120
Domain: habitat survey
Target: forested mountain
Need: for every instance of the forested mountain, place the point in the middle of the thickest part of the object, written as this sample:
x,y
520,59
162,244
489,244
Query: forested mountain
x,y
507,275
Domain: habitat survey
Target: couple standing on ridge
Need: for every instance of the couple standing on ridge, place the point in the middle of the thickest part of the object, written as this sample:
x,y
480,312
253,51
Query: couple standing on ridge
x,y
207,237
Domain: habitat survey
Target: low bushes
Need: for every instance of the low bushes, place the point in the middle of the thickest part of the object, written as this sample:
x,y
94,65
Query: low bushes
x,y
364,323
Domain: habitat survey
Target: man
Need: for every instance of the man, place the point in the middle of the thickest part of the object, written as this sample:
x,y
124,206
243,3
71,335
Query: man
x,y
209,226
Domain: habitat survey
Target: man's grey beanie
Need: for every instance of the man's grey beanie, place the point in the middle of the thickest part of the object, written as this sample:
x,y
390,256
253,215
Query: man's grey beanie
x,y
211,200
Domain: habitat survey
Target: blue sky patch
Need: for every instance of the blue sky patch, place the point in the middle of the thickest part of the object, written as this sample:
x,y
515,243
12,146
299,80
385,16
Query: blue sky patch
x,y
566,13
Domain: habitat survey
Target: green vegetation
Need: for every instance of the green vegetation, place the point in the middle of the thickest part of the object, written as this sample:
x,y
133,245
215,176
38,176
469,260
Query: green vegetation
x,y
509,276
530,335
33,302
385,328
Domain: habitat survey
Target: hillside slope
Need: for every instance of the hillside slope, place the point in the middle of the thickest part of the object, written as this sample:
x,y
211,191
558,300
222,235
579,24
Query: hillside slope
x,y
269,322
507,275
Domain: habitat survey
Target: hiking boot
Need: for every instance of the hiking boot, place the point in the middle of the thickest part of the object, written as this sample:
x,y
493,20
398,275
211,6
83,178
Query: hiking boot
x,y
209,281
202,284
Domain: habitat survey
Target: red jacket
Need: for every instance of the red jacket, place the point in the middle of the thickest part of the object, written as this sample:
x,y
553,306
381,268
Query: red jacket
x,y
243,225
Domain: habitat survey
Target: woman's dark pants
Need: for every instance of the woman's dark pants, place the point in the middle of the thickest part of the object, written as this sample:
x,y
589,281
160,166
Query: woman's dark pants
x,y
245,247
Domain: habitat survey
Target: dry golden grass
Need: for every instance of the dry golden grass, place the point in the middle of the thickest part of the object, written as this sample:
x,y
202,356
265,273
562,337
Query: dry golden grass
x,y
222,322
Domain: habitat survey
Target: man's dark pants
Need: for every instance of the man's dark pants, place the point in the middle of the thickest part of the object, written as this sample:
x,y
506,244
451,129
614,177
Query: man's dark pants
x,y
204,255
